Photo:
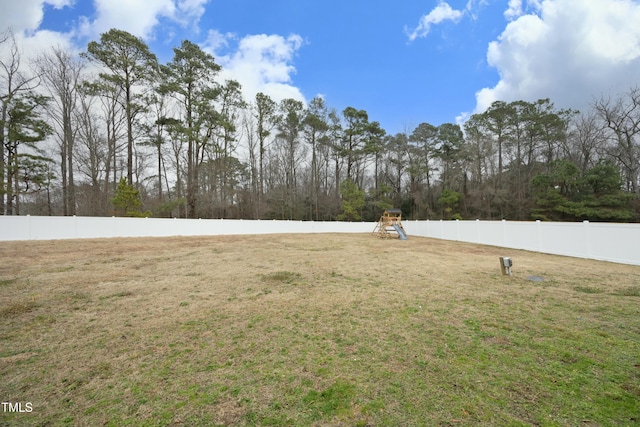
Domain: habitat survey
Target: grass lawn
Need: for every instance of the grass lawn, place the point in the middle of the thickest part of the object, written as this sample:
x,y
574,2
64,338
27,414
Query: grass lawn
x,y
314,330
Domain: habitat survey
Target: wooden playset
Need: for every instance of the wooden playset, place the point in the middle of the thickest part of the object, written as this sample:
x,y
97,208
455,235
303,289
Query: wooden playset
x,y
390,222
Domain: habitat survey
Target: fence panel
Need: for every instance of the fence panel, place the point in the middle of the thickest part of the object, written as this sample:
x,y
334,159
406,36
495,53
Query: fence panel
x,y
602,241
614,242
52,228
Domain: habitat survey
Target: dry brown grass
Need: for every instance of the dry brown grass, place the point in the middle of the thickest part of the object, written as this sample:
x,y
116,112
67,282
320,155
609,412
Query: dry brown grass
x,y
257,330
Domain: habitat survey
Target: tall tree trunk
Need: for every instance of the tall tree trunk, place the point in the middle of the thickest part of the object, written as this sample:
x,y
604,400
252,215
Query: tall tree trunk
x,y
159,172
129,113
63,172
3,163
191,196
71,191
10,178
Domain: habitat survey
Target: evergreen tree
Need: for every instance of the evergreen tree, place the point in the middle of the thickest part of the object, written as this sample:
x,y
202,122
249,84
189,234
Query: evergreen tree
x,y
190,80
564,194
127,201
130,63
353,200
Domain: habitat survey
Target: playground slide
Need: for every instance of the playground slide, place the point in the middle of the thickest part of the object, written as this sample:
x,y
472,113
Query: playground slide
x,y
401,233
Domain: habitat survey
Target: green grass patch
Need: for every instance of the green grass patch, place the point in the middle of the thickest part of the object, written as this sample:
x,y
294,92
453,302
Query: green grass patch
x,y
285,277
328,402
5,282
588,289
121,294
631,291
15,309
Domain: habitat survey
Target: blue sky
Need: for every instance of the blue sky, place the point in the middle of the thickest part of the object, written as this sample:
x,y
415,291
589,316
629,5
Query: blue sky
x,y
357,53
403,62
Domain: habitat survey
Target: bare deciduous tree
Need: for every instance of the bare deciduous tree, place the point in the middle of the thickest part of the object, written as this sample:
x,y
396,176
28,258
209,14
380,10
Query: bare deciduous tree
x,y
62,72
13,83
621,117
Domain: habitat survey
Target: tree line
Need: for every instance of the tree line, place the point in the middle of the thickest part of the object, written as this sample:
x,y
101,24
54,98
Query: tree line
x,y
142,138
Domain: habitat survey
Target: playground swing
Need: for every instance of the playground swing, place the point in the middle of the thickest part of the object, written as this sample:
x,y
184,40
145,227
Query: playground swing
x,y
390,222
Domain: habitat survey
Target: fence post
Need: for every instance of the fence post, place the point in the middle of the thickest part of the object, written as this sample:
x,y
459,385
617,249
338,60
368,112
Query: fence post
x,y
539,234
587,237
504,233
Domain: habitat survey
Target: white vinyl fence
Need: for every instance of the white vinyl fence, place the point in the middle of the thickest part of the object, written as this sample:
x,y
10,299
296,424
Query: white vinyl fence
x,y
72,227
602,241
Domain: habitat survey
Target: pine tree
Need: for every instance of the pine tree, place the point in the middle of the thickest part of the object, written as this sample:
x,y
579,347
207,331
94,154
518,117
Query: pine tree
x,y
127,201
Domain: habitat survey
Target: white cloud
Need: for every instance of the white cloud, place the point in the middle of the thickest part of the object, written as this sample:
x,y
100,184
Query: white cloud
x,y
42,41
140,17
23,18
514,9
473,6
261,63
26,15
217,41
570,51
442,12
190,11
517,8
